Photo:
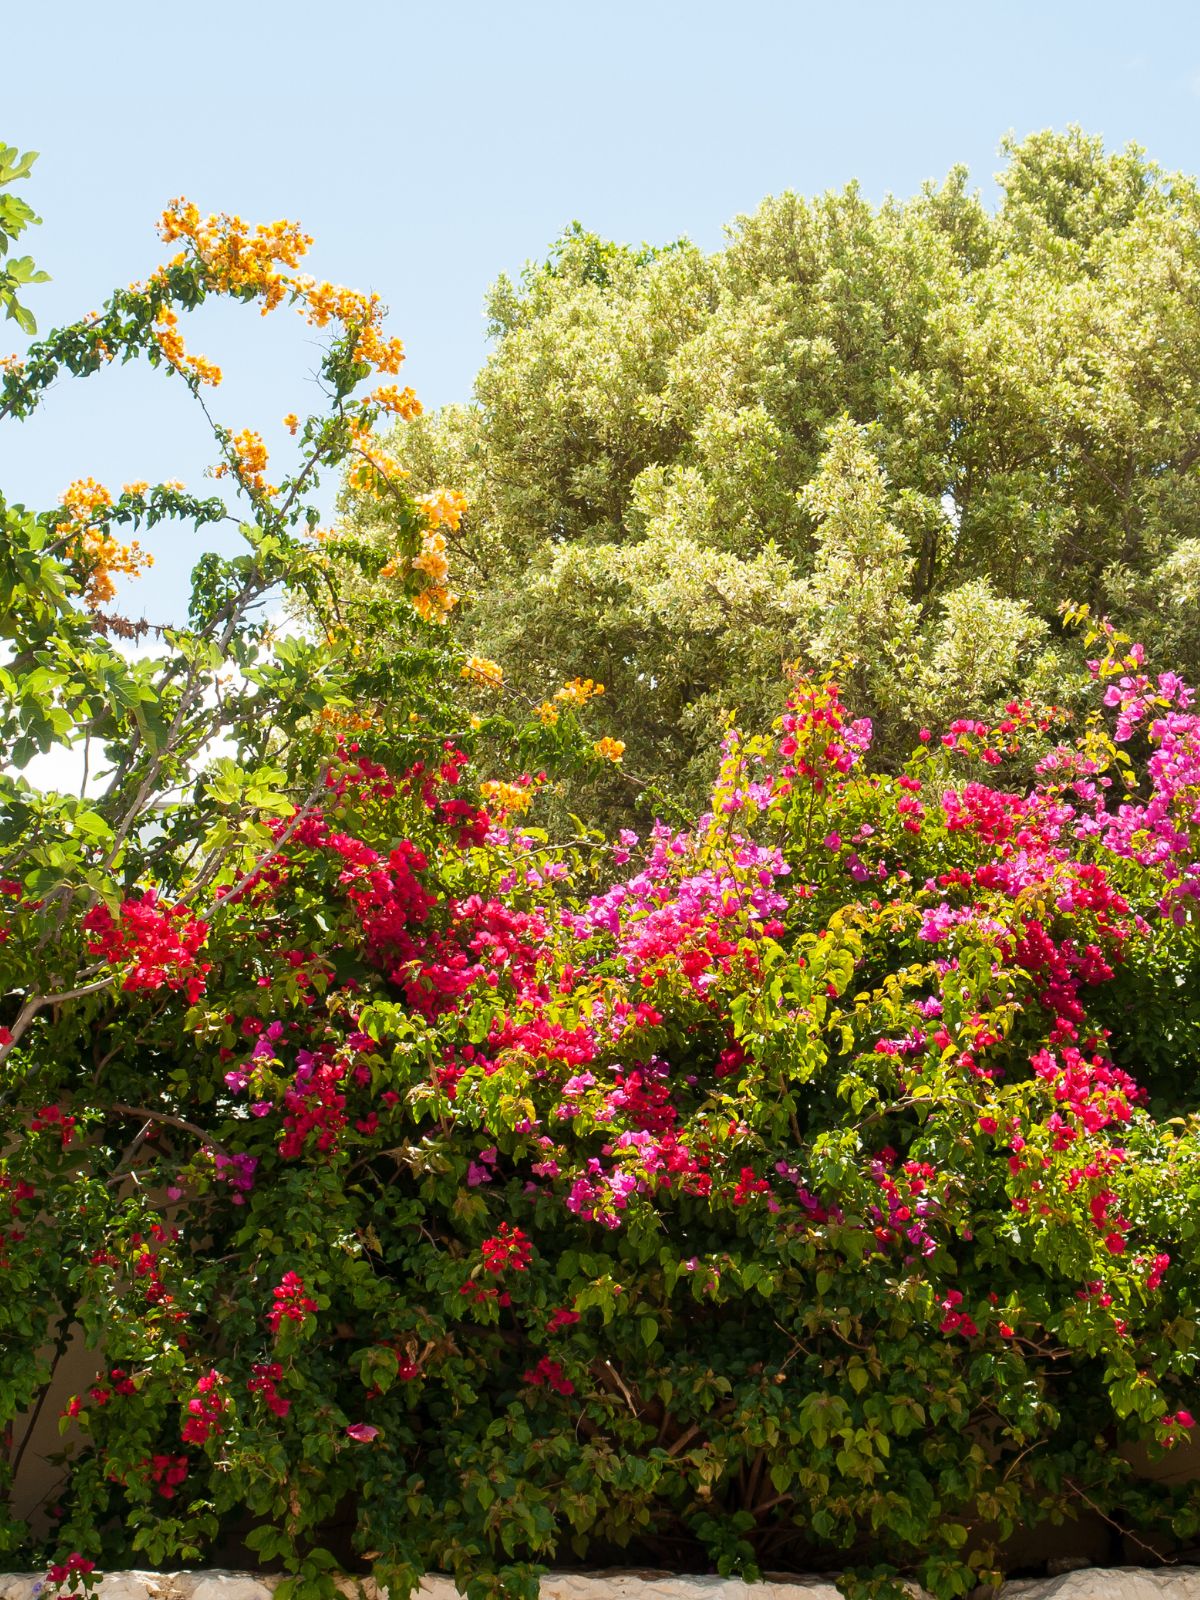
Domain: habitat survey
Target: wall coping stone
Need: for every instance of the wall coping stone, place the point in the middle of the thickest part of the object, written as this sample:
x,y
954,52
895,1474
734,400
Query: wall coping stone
x,y
1085,1583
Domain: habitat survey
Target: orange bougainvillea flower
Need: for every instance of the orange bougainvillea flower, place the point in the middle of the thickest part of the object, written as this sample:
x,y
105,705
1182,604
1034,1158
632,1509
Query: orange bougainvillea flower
x,y
400,402
434,604
237,258
257,263
579,691
479,670
506,797
443,508
250,460
170,342
253,262
87,504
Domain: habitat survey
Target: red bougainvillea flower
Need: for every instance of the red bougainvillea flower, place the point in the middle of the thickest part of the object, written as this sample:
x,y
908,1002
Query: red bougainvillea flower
x,y
53,1116
510,1247
205,1410
158,943
167,1473
291,1302
549,1375
74,1565
266,1376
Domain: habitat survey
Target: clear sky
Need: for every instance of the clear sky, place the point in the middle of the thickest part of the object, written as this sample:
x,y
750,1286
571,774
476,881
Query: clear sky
x,y
428,147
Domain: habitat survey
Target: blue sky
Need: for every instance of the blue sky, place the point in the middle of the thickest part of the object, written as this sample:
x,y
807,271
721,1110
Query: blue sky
x,y
428,147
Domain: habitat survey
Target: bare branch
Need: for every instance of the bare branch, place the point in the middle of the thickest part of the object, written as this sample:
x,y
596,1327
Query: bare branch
x,y
39,1002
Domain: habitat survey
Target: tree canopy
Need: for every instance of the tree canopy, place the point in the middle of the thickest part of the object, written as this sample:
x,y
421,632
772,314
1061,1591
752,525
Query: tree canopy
x,y
904,433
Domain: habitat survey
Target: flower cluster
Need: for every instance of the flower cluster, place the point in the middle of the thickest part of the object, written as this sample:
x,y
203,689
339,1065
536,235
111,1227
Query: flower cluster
x,y
257,263
291,1302
483,673
170,342
88,540
509,1249
167,1473
248,460
159,944
240,259
75,1566
579,691
205,1410
264,1382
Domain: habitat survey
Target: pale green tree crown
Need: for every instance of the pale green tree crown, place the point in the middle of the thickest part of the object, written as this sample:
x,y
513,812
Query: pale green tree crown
x,y
902,434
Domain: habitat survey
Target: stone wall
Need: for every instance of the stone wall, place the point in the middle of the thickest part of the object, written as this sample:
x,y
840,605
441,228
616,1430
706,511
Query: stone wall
x,y
1089,1583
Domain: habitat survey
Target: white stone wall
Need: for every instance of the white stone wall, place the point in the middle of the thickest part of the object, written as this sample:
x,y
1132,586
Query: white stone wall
x,y
1088,1583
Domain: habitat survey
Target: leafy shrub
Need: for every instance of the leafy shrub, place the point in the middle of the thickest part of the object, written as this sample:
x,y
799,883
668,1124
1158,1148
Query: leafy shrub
x,y
778,1203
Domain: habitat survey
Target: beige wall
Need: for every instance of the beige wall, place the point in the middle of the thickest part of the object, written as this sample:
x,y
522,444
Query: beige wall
x,y
38,1477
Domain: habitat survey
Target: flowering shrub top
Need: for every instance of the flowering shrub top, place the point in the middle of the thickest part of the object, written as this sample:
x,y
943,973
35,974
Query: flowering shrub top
x,y
770,1189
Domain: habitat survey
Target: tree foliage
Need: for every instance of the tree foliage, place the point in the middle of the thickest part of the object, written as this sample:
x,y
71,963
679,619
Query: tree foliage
x,y
17,272
904,433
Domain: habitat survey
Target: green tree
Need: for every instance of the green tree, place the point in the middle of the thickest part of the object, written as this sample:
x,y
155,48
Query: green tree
x,y
901,433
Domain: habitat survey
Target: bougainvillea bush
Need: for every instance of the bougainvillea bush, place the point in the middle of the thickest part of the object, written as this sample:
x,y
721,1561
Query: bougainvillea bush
x,y
434,1194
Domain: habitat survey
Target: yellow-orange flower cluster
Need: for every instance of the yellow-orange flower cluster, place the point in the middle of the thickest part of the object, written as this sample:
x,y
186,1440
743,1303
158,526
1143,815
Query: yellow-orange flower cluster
x,y
170,342
83,499
482,672
548,713
443,508
87,502
347,721
237,258
609,749
291,422
432,559
400,402
257,262
579,691
251,465
376,468
322,303
435,603
506,797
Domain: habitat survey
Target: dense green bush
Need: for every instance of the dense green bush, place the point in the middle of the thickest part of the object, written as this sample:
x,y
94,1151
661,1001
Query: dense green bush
x,y
779,1203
